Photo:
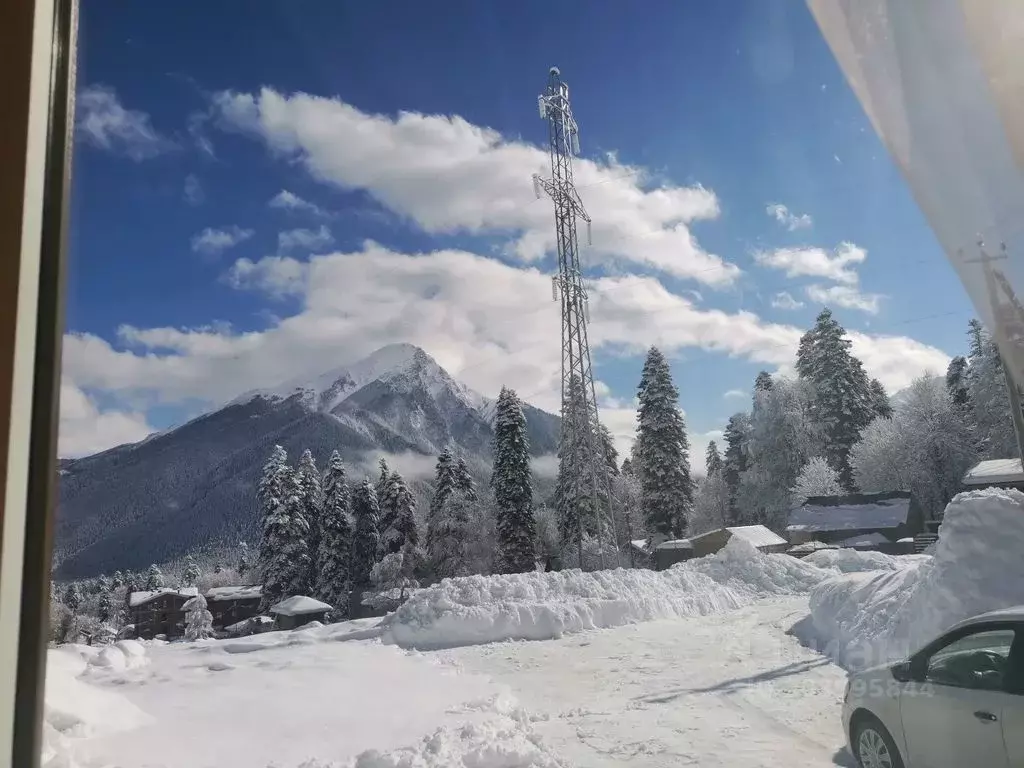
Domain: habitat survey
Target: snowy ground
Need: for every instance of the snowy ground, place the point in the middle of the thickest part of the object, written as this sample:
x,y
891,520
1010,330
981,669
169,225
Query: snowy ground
x,y
728,689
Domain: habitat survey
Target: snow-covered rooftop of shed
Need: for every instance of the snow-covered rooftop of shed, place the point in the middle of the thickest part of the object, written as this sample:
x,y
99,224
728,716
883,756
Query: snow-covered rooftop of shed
x,y
297,605
811,546
676,544
241,592
864,540
850,515
141,598
757,535
994,471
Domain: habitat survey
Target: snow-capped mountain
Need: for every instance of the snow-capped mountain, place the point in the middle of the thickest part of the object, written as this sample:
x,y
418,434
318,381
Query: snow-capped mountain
x,y
195,485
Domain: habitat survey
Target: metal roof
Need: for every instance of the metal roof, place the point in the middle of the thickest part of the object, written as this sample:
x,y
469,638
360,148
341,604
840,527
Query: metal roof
x,y
994,471
141,598
851,512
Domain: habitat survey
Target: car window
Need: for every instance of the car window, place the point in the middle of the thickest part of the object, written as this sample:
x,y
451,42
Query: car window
x,y
979,661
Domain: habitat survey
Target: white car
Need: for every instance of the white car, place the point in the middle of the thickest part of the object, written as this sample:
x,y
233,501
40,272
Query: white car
x,y
958,702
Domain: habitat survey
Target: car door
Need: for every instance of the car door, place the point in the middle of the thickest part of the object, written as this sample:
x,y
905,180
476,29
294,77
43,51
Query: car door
x,y
1013,710
952,710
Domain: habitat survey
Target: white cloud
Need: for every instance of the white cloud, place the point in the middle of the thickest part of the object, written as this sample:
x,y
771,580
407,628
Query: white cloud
x,y
193,192
784,300
815,262
85,429
277,276
289,201
448,175
847,296
488,323
214,241
306,239
105,123
787,218
736,393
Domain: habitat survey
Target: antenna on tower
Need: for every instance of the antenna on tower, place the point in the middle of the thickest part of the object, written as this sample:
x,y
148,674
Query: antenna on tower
x,y
581,450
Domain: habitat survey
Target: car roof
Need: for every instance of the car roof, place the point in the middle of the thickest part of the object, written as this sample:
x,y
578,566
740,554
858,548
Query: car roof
x,y
1016,613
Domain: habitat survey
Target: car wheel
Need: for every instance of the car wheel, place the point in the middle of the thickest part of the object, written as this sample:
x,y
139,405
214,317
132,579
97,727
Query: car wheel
x,y
873,746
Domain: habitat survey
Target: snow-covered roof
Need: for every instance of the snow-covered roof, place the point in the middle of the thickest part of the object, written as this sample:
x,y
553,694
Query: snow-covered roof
x,y
141,598
640,544
297,605
810,546
757,535
864,540
994,471
676,544
240,592
851,513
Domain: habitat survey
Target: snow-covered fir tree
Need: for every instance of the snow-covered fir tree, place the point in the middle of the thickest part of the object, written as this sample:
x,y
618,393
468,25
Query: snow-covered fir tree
x,y
382,477
366,537
879,400
989,397
464,480
73,596
312,508
190,576
712,460
198,620
513,486
117,580
448,536
284,554
154,578
335,553
956,381
398,508
244,563
662,451
763,382
444,481
842,394
107,608
734,464
816,478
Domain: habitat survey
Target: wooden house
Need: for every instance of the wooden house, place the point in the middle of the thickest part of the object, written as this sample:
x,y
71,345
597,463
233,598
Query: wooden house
x,y
297,611
668,553
159,611
230,605
994,473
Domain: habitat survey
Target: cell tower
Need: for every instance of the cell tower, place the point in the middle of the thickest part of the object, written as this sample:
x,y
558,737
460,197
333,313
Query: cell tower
x,y
580,445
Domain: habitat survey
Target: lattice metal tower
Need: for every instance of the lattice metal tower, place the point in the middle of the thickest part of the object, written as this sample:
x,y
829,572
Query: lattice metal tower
x,y
581,446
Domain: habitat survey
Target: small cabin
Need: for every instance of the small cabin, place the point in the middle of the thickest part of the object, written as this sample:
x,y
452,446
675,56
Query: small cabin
x,y
298,610
159,611
851,519
230,605
668,553
994,473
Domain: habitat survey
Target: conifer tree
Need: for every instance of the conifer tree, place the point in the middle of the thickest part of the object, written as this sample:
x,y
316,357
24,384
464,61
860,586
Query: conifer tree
x,y
198,620
191,574
73,596
366,537
763,382
244,563
444,485
312,508
448,534
464,480
284,553
712,461
154,578
988,396
956,381
879,399
735,462
117,581
398,506
662,451
512,486
335,553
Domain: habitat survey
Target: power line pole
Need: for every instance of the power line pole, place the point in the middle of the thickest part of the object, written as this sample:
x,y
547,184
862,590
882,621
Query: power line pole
x,y
1010,316
580,447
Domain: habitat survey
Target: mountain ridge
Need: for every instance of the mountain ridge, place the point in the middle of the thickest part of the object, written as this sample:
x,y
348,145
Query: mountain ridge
x,y
194,485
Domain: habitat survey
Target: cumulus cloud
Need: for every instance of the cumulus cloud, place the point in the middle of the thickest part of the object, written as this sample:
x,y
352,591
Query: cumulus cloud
x,y
289,201
487,322
787,218
447,175
276,276
784,300
215,241
815,262
847,296
736,393
105,123
305,239
86,429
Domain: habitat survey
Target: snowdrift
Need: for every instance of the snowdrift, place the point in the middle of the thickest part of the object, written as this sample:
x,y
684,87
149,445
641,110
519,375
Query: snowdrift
x,y
853,561
862,619
540,606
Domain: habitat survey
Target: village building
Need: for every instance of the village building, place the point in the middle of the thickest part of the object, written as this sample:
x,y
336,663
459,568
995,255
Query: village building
x,y
997,473
297,611
230,605
159,611
668,553
876,521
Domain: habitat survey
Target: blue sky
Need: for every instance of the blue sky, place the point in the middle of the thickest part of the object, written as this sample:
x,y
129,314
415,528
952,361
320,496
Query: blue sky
x,y
420,133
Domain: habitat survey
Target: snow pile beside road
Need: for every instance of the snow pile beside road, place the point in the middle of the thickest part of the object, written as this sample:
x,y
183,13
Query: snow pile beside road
x,y
861,619
538,606
743,569
854,561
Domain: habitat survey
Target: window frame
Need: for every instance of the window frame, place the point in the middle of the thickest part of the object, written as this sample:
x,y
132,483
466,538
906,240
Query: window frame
x,y
919,661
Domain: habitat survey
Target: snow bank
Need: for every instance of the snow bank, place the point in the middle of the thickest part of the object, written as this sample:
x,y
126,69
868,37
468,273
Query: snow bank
x,y
539,606
854,561
867,618
753,574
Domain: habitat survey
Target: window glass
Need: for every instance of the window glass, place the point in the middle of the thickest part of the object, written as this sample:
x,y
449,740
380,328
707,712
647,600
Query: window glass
x,y
978,661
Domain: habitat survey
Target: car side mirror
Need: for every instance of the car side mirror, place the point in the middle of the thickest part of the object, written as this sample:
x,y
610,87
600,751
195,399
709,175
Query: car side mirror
x,y
902,672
